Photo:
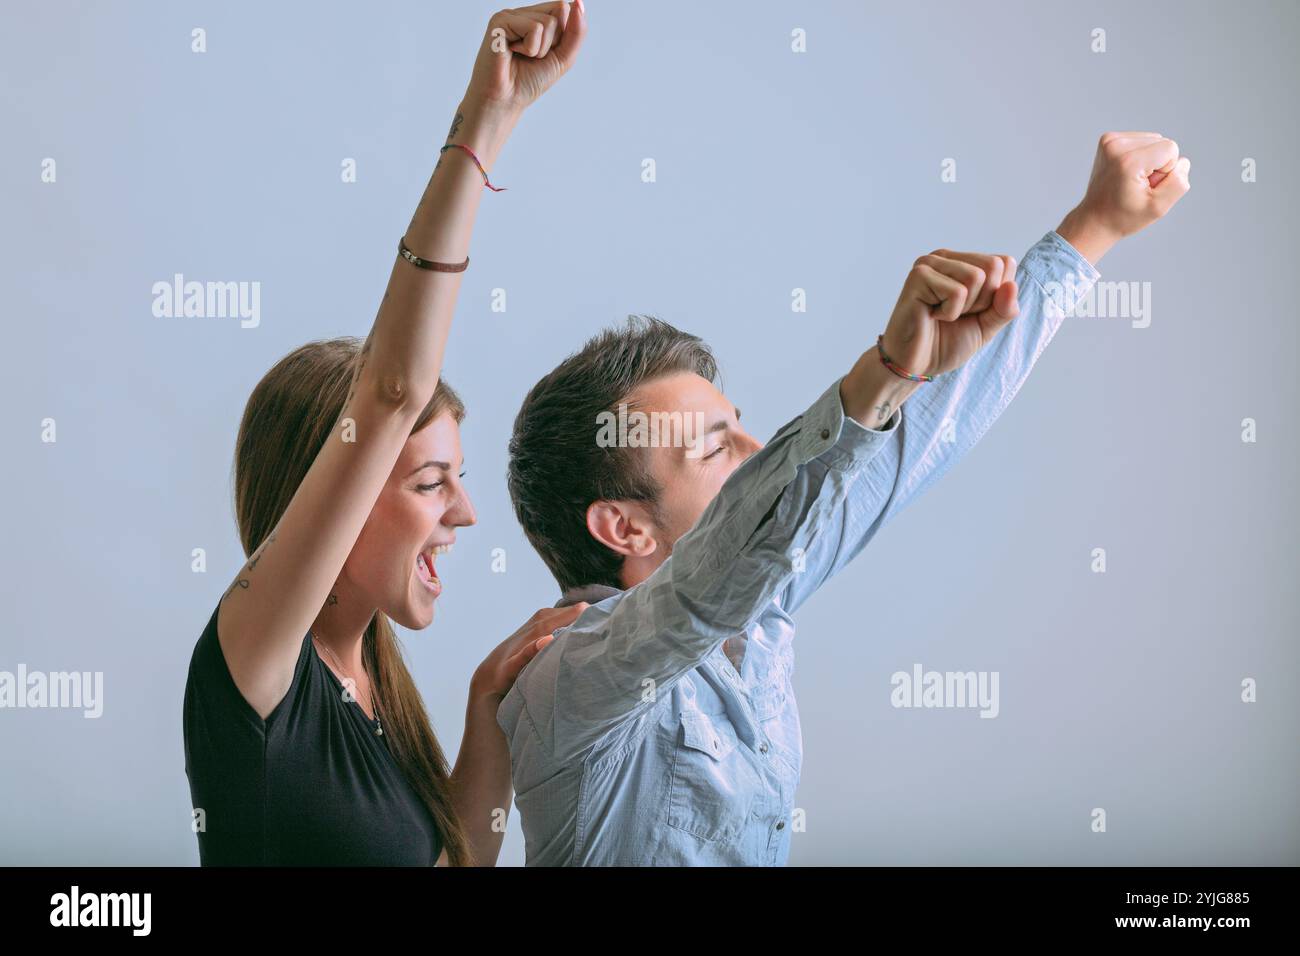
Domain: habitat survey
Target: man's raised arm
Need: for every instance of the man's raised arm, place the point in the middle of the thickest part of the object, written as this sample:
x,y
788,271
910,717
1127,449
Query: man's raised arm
x,y
1136,179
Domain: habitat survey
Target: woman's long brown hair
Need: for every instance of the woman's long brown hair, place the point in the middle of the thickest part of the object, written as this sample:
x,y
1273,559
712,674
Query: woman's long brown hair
x,y
288,418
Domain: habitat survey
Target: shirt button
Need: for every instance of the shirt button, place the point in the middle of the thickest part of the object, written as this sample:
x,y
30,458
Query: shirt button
x,y
781,825
826,433
762,748
715,743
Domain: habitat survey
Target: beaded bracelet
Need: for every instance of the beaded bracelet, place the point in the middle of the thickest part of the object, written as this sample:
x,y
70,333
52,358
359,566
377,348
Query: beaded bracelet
x,y
897,369
498,189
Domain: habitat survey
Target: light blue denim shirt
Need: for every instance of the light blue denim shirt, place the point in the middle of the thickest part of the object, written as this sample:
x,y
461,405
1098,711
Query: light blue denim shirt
x,y
634,738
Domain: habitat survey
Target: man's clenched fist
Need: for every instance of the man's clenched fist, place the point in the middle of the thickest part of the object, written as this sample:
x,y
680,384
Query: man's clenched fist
x,y
951,306
1136,179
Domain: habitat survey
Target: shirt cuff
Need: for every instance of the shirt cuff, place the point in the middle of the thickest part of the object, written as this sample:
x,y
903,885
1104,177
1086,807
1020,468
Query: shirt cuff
x,y
827,432
1062,271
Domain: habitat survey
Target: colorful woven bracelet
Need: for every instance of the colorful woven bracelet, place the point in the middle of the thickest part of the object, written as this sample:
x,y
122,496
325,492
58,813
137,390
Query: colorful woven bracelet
x,y
497,189
897,369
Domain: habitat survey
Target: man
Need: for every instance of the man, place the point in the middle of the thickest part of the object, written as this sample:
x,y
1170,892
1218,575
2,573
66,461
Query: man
x,y
661,728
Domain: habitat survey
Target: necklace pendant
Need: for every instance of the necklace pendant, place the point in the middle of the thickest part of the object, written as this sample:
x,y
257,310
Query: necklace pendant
x,y
379,731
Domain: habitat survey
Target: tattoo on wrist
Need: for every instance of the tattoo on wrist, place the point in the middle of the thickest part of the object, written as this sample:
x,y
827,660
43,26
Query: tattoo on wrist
x,y
889,404
455,128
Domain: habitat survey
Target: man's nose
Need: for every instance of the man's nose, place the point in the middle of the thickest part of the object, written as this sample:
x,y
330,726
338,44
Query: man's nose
x,y
747,447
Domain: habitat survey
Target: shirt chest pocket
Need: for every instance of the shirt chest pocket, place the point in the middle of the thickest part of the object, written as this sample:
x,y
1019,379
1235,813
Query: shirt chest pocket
x,y
712,786
768,701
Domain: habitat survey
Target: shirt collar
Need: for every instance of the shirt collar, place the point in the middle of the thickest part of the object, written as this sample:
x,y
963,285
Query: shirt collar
x,y
591,593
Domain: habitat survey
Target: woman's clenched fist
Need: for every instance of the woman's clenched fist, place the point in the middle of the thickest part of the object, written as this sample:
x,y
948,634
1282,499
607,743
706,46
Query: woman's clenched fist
x,y
524,51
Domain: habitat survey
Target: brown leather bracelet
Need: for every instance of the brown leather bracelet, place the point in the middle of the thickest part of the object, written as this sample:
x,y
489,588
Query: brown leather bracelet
x,y
429,264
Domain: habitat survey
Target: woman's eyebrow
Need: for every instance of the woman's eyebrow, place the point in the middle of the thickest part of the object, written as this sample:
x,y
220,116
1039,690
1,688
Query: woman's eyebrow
x,y
431,464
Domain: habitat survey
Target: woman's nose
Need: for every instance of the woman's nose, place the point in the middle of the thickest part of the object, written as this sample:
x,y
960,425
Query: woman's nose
x,y
461,514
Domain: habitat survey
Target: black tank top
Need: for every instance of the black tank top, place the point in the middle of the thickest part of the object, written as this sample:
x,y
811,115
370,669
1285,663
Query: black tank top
x,y
311,785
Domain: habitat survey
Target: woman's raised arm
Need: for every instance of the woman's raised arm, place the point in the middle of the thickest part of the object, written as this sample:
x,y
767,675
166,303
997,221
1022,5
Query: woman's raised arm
x,y
276,596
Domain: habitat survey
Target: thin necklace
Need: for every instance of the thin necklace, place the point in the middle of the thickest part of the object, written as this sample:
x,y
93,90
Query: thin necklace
x,y
379,724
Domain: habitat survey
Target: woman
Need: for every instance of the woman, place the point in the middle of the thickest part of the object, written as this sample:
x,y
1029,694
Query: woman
x,y
306,741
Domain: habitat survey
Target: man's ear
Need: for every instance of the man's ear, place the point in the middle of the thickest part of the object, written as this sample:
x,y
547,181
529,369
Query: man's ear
x,y
622,526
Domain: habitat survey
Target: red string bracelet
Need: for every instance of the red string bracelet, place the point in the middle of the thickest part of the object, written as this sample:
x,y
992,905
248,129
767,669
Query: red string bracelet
x,y
497,189
898,369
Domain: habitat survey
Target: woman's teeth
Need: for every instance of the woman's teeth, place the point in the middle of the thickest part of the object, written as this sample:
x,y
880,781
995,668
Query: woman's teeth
x,y
424,566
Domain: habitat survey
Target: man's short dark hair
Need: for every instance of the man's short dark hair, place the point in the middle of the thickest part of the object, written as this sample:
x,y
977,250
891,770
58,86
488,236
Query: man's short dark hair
x,y
557,469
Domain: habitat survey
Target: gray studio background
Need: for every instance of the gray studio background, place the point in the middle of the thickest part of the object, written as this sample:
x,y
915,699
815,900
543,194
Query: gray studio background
x,y
776,170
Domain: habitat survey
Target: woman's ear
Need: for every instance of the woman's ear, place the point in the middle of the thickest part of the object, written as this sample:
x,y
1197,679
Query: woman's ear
x,y
623,527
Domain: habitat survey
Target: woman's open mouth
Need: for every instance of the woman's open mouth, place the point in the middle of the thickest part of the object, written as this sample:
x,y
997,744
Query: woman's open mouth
x,y
425,570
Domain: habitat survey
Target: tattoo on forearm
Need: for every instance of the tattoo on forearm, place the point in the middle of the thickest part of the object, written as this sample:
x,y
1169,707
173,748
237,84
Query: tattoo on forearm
x,y
455,128
333,600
